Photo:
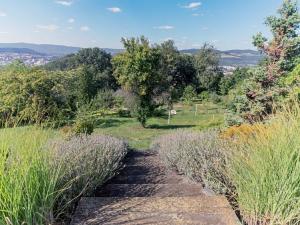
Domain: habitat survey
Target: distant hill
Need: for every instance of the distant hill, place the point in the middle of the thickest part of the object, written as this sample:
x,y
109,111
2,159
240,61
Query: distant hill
x,y
236,58
20,51
233,58
52,50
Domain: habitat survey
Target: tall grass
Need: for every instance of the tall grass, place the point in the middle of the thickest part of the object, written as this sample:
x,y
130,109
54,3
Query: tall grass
x,y
27,180
265,170
41,180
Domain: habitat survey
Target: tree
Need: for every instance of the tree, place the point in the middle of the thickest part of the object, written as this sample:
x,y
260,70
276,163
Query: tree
x,y
282,52
94,71
189,94
284,48
30,95
207,67
137,71
229,82
177,69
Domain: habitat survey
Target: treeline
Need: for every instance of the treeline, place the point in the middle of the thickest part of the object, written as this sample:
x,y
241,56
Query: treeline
x,y
92,82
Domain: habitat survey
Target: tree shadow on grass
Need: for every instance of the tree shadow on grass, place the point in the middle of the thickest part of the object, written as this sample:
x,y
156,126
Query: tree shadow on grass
x,y
107,123
169,127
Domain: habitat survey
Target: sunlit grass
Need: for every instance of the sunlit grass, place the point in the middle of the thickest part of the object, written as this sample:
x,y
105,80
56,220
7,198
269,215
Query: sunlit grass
x,y
265,167
27,180
208,115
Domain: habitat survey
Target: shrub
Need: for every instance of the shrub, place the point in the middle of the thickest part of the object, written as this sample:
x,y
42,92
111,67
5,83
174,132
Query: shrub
x,y
29,96
264,168
105,99
197,155
204,96
215,98
87,163
83,126
189,94
244,131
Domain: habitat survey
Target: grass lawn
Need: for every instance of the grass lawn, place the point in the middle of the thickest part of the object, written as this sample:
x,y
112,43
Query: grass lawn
x,y
208,115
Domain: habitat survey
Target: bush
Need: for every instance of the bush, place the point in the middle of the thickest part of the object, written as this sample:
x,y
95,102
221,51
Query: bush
x,y
244,131
215,98
204,96
105,99
189,94
87,163
197,155
29,96
83,126
264,168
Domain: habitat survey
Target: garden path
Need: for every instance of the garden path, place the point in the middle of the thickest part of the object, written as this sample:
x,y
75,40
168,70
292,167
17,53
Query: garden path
x,y
145,192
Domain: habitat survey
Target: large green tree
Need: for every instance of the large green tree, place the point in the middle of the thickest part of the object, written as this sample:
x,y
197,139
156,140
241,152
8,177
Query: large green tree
x,y
208,70
137,71
94,70
176,68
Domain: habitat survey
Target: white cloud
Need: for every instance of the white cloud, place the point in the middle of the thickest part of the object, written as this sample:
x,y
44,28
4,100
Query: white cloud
x,y
50,27
64,2
3,32
85,28
71,20
2,14
114,10
193,5
166,27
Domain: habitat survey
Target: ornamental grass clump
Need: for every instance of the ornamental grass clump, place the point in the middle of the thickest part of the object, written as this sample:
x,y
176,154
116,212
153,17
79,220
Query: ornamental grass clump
x,y
28,182
199,156
264,168
41,180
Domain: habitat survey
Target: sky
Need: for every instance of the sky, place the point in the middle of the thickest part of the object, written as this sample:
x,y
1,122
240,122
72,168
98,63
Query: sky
x,y
227,24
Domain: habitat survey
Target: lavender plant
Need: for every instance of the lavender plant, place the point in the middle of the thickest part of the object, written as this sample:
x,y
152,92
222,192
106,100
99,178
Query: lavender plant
x,y
199,156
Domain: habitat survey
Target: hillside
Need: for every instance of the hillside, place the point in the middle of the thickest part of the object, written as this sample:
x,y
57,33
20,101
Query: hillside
x,y
52,50
232,58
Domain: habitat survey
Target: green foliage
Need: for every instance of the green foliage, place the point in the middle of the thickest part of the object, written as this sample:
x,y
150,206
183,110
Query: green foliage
x,y
28,180
263,168
136,70
229,82
204,96
63,64
207,68
32,96
177,70
41,182
189,94
265,88
94,71
83,126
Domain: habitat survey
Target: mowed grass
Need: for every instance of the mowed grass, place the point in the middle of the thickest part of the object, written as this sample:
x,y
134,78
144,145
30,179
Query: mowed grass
x,y
208,115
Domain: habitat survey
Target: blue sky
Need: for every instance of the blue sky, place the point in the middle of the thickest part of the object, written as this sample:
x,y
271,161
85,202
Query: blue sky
x,y
228,24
